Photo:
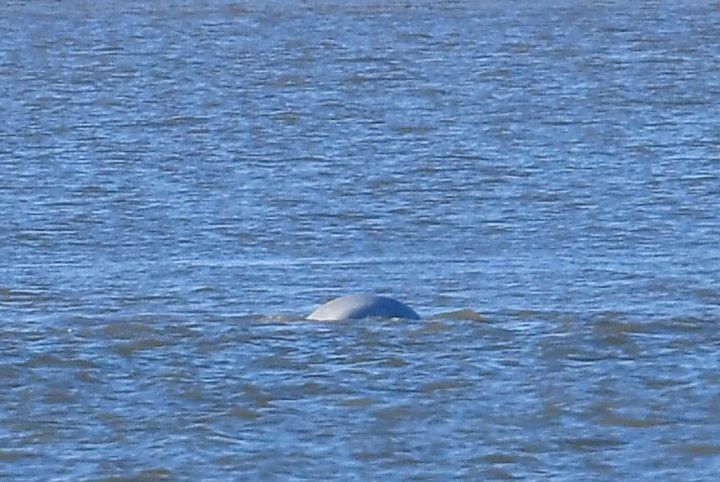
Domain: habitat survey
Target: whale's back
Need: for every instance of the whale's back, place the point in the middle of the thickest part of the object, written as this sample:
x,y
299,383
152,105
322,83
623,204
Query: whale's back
x,y
353,307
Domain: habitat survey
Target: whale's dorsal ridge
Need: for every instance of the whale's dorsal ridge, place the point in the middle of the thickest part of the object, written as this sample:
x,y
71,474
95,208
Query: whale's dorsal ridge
x,y
356,306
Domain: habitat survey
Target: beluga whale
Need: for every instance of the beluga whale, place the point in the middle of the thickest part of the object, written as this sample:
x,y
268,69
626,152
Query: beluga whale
x,y
357,306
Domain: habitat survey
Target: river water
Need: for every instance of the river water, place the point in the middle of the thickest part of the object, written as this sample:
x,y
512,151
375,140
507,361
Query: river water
x,y
181,183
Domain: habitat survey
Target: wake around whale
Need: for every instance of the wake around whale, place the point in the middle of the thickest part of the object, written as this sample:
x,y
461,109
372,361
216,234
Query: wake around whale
x,y
357,306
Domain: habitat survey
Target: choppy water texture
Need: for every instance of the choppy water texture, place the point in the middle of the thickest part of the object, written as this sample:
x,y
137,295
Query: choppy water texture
x,y
182,182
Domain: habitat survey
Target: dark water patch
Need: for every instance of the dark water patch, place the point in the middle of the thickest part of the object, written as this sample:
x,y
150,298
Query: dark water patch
x,y
359,403
591,444
146,475
244,413
15,455
441,385
701,450
49,360
125,330
632,422
499,458
465,314
132,347
11,297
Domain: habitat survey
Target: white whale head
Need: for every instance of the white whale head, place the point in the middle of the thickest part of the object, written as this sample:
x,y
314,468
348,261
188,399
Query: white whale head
x,y
353,307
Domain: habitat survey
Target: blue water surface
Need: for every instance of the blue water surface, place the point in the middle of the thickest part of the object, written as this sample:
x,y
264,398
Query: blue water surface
x,y
181,183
